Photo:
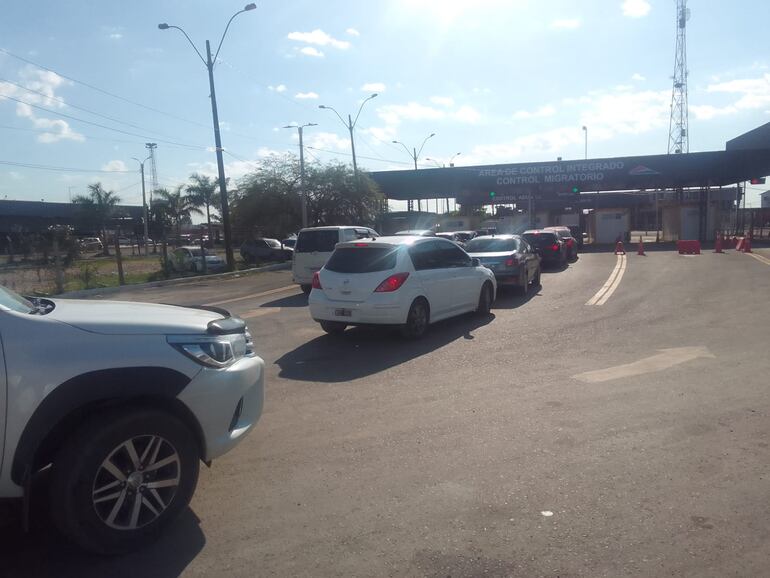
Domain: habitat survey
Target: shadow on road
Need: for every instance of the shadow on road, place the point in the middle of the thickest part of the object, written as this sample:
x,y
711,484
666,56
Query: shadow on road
x,y
298,300
511,298
43,552
362,351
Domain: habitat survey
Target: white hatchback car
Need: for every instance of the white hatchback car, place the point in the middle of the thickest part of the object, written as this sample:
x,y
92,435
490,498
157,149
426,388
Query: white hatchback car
x,y
403,281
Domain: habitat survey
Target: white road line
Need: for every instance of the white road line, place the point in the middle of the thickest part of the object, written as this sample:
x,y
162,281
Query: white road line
x,y
612,282
759,258
665,359
254,295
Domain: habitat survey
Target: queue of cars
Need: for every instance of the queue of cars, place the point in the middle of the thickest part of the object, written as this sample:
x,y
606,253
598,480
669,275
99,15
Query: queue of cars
x,y
414,278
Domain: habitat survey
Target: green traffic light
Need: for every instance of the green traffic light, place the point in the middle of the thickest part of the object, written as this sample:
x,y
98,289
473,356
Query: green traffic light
x,y
492,194
575,190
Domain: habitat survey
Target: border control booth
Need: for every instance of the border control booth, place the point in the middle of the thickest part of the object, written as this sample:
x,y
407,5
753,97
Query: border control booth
x,y
691,195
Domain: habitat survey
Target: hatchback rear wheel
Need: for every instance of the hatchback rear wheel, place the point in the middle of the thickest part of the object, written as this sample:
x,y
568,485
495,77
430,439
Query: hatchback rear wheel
x,y
333,327
417,320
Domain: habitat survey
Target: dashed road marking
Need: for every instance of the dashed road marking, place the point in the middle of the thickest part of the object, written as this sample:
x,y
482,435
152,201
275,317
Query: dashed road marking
x,y
254,295
759,258
601,296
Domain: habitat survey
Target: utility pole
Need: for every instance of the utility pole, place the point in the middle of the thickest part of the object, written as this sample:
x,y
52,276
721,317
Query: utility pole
x,y
151,146
350,125
415,154
303,194
145,214
209,62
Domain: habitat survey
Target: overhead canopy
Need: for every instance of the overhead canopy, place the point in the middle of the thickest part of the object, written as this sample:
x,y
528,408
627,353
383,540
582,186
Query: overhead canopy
x,y
508,183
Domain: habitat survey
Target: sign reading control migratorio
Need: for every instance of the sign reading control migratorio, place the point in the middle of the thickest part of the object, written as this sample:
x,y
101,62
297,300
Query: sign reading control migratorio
x,y
563,180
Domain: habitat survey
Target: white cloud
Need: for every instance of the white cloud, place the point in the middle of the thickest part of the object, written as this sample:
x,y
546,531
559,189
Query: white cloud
x,y
635,8
16,176
566,24
353,32
306,95
319,38
477,90
442,100
279,88
45,83
311,51
638,77
116,36
543,111
117,166
707,112
327,141
373,87
384,134
395,113
754,92
467,114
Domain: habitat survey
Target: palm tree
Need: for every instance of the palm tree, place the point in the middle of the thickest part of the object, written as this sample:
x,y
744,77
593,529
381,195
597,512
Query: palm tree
x,y
99,206
203,192
178,207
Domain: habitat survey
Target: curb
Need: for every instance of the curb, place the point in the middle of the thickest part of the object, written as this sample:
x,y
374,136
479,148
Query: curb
x,y
170,282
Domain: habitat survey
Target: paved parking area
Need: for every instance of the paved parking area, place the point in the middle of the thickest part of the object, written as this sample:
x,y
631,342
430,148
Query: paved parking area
x,y
552,438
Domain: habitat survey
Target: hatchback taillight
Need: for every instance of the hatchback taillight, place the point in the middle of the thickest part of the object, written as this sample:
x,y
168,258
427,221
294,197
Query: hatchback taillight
x,y
512,262
316,281
392,283
555,246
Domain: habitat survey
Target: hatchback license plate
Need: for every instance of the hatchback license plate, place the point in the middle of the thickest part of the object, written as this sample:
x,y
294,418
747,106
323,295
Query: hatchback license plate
x,y
343,312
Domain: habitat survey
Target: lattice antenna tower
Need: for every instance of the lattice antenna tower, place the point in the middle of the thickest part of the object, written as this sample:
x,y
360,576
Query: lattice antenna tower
x,y
678,131
151,146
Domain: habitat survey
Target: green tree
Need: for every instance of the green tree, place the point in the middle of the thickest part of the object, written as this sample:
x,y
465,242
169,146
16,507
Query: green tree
x,y
98,207
203,193
337,197
177,207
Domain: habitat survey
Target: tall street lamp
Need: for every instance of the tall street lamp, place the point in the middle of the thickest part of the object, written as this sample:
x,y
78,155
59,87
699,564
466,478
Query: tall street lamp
x,y
209,62
144,203
415,154
350,125
585,131
302,193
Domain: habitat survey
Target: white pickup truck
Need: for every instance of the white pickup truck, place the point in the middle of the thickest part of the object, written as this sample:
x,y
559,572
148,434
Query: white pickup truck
x,y
122,400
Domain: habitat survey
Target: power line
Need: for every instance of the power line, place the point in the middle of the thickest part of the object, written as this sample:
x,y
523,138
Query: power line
x,y
357,156
96,88
59,169
50,111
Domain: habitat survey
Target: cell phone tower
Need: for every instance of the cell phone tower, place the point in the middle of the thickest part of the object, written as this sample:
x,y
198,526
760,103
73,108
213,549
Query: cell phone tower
x,y
151,146
678,134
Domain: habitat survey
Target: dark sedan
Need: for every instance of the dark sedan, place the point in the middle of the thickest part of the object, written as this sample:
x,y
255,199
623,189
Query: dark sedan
x,y
256,250
509,257
551,248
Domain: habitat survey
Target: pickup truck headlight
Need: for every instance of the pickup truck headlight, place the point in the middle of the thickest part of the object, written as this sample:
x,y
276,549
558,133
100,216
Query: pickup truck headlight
x,y
214,350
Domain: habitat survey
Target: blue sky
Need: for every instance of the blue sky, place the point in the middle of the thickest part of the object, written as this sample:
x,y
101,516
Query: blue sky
x,y
496,80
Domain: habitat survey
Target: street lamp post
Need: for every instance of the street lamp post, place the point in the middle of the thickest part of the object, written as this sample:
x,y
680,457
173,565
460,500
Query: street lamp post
x,y
415,154
144,203
585,131
209,62
303,196
350,125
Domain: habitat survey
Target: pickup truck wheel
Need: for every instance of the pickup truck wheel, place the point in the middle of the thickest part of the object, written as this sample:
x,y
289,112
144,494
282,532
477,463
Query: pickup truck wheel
x,y
120,478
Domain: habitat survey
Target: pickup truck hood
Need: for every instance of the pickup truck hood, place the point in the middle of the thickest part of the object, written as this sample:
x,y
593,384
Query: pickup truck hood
x,y
129,318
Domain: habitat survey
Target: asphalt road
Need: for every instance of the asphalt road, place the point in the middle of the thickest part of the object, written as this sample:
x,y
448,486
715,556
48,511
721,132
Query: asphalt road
x,y
494,446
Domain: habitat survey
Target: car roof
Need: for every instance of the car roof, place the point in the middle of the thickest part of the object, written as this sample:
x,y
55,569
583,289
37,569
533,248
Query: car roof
x,y
334,228
538,231
506,236
392,240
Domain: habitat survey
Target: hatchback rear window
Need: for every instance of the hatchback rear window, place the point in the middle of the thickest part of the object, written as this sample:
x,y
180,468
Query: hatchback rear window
x,y
540,239
362,260
322,241
491,245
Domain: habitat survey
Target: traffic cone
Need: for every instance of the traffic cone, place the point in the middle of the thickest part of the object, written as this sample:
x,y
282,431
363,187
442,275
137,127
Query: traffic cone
x,y
619,250
718,244
746,247
640,251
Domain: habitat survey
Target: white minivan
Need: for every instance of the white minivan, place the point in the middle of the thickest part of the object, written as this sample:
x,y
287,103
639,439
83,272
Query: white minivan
x,y
316,244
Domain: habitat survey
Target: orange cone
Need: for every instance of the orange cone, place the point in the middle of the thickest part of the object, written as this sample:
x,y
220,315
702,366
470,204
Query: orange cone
x,y
718,244
619,250
746,248
640,251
